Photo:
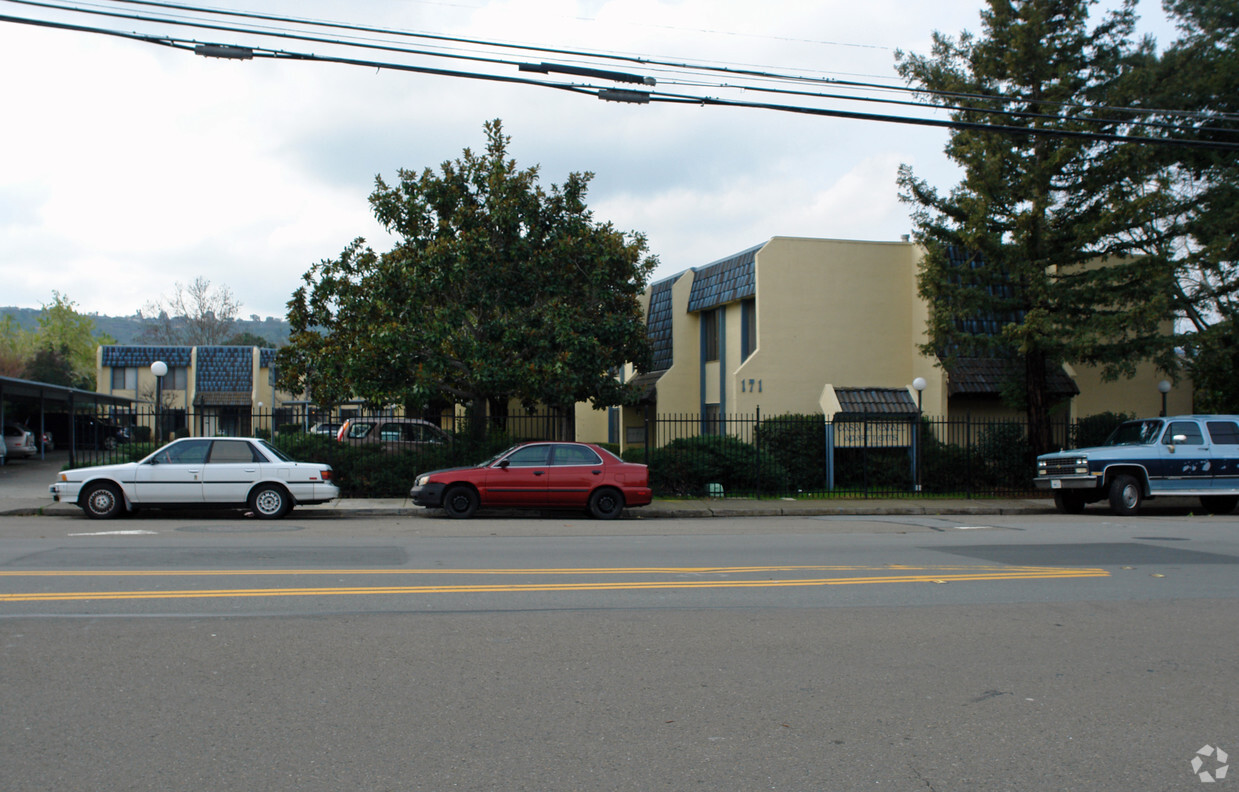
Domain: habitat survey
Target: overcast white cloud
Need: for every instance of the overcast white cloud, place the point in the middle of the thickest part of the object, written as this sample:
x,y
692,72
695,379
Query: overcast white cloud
x,y
126,167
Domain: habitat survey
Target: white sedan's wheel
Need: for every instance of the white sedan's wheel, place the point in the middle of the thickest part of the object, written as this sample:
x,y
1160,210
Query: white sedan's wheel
x,y
102,501
270,502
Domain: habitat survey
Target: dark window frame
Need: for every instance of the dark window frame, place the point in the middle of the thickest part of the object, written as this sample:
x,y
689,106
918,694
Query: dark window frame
x,y
709,335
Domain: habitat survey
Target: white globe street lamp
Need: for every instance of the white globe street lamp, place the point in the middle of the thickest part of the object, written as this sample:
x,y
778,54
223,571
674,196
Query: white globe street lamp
x,y
159,369
1164,388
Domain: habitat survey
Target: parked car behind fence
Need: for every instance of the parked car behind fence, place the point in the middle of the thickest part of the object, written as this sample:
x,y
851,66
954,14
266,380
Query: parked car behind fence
x,y
19,441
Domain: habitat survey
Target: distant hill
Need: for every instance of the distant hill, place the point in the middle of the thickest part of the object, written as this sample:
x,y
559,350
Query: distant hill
x,y
126,328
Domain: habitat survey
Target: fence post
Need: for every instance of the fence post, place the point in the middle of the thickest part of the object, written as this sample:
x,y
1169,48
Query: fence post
x,y
757,444
829,427
968,452
647,434
916,453
864,456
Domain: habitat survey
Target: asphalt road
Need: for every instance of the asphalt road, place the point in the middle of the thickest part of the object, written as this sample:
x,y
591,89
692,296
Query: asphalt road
x,y
910,653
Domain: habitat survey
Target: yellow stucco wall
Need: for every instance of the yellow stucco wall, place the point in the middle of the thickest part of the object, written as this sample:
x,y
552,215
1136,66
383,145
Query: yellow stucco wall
x,y
833,311
262,392
1138,396
844,312
679,390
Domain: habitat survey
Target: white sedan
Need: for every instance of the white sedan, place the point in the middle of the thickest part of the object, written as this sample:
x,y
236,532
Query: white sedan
x,y
200,471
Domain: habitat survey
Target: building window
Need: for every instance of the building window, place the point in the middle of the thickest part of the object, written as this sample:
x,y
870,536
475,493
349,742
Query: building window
x,y
712,420
748,328
709,335
124,378
177,378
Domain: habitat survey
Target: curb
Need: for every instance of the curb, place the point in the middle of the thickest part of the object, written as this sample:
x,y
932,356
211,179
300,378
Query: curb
x,y
642,513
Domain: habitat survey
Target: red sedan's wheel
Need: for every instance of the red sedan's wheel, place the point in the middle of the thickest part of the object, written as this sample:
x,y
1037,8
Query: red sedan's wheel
x,y
606,503
460,502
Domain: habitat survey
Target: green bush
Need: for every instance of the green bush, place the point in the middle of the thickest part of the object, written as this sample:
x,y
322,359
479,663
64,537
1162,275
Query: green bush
x,y
688,465
797,445
368,471
1093,430
1007,456
946,468
873,469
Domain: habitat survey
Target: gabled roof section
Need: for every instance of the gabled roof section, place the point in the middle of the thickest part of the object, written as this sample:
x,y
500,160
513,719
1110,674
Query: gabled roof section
x,y
879,402
973,270
647,384
658,324
225,369
985,377
141,356
724,281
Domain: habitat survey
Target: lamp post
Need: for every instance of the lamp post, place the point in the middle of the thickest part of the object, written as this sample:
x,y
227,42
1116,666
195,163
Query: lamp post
x,y
1164,387
918,385
158,368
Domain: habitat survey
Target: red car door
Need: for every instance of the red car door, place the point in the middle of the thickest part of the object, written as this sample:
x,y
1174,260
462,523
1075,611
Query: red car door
x,y
518,479
575,471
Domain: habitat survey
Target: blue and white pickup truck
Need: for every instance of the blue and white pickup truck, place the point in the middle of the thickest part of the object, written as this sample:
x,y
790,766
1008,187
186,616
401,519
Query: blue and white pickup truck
x,y
1182,455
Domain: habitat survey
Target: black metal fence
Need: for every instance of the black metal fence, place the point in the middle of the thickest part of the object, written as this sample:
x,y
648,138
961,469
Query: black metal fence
x,y
806,455
375,455
688,455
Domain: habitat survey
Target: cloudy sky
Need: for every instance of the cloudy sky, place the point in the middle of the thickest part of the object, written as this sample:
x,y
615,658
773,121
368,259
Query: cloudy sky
x,y
126,167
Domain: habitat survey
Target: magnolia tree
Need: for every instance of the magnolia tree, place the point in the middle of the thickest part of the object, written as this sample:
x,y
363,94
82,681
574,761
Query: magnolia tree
x,y
495,289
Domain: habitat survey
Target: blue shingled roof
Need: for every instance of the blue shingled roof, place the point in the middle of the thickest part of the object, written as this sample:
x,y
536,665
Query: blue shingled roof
x,y
724,281
658,324
875,401
225,368
143,356
973,270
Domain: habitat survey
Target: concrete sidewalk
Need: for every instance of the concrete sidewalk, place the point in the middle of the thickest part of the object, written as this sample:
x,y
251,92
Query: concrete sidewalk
x,y
660,508
24,483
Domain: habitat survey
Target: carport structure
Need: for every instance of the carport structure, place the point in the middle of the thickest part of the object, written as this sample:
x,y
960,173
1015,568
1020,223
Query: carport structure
x,y
43,398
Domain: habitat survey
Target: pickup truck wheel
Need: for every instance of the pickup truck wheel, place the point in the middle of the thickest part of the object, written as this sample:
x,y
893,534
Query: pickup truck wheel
x,y
1126,495
1219,504
1068,502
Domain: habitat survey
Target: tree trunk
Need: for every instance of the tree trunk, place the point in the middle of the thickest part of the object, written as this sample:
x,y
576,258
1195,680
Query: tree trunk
x,y
1037,403
476,418
565,422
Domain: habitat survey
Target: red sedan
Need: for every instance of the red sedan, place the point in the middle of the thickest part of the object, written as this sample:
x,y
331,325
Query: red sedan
x,y
539,475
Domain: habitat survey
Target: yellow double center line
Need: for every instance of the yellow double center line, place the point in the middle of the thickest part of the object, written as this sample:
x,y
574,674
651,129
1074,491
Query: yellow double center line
x,y
672,578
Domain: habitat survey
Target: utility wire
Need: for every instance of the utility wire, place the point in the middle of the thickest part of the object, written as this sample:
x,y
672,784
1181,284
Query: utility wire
x,y
644,61
610,94
765,75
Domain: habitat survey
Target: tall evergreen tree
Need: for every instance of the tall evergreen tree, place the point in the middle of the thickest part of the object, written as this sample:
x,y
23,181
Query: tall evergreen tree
x,y
1015,245
1199,73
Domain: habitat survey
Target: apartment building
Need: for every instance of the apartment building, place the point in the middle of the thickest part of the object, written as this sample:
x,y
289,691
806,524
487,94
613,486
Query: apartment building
x,y
826,326
207,390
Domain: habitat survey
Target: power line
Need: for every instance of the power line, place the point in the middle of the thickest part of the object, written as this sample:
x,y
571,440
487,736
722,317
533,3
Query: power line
x,y
606,93
647,61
